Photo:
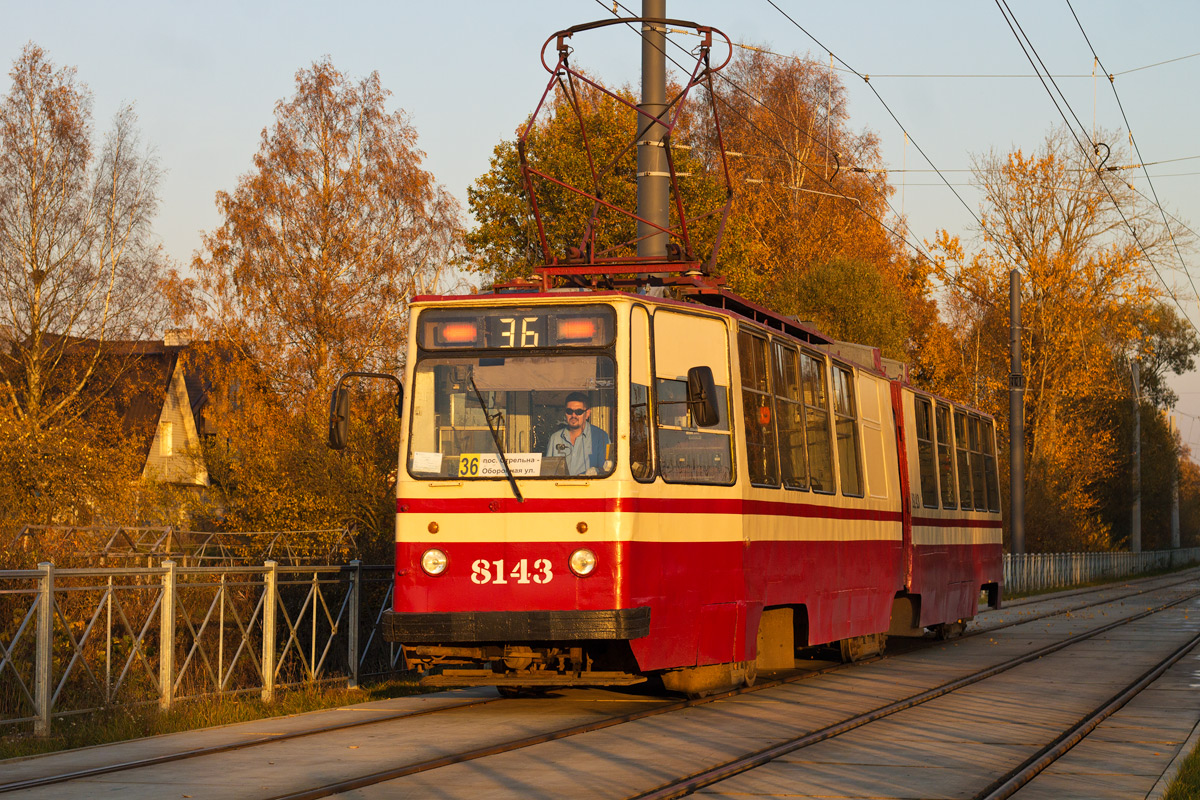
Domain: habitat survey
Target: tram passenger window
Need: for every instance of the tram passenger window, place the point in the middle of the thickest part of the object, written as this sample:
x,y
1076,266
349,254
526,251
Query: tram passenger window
x,y
641,460
846,426
925,456
789,416
756,410
977,482
816,415
989,464
945,457
964,464
687,453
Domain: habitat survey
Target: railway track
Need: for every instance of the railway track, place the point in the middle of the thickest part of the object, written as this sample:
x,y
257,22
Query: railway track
x,y
59,784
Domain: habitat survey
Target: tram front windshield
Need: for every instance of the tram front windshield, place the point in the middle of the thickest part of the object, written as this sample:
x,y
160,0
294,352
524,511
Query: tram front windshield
x,y
545,411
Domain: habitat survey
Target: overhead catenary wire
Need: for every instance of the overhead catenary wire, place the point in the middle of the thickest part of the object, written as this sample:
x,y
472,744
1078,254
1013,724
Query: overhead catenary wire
x,y
1138,151
834,193
1030,52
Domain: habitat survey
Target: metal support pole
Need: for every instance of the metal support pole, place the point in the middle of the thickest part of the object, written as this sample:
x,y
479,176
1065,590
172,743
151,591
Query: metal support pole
x,y
653,178
1016,418
43,681
352,633
166,638
1135,531
270,601
1174,486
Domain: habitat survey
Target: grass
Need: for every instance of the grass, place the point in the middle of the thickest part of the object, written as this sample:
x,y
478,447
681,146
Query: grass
x,y
1186,785
121,724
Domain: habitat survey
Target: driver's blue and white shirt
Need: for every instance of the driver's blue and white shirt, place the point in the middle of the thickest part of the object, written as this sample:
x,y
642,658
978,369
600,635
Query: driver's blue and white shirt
x,y
586,456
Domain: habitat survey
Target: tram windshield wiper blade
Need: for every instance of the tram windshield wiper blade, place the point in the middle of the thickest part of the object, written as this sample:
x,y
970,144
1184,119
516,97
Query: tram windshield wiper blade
x,y
496,438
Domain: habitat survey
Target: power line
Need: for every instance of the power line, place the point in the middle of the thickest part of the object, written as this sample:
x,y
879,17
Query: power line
x,y
867,80
1027,48
1137,150
938,75
916,248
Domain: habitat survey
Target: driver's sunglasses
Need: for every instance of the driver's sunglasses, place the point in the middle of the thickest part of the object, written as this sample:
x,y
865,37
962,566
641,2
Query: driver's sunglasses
x,y
574,412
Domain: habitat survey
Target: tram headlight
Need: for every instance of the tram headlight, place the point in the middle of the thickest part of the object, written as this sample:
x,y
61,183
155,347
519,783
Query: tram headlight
x,y
582,562
434,561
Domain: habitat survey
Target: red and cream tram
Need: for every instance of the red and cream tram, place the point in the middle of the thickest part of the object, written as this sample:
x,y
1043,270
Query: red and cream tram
x,y
739,486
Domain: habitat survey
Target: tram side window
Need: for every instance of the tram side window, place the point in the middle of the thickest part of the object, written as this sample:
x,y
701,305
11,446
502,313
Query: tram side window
x,y
641,460
816,416
925,454
945,456
789,416
687,453
846,427
964,463
977,483
989,464
756,410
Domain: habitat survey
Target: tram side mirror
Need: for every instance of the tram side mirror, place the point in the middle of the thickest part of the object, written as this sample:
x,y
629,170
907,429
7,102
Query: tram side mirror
x,y
702,397
339,417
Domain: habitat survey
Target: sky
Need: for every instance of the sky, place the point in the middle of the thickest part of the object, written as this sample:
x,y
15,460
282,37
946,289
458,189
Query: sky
x,y
204,79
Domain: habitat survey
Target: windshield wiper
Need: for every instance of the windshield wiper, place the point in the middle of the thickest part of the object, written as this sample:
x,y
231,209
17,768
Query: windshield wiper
x,y
496,438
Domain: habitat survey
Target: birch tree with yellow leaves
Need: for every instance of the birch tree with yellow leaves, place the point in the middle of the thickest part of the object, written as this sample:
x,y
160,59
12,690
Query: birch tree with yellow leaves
x,y
1090,301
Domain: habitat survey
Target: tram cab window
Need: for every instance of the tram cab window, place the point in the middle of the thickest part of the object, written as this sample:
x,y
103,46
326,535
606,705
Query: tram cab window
x,y
945,456
845,409
817,427
463,403
961,451
925,452
988,436
686,452
757,410
789,416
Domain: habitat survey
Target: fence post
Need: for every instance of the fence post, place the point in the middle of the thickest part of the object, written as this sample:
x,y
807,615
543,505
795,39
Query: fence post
x,y
352,633
270,601
166,638
43,681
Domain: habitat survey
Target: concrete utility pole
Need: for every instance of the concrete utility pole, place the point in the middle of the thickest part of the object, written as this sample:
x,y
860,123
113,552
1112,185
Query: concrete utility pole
x,y
653,178
1016,417
1135,530
1174,487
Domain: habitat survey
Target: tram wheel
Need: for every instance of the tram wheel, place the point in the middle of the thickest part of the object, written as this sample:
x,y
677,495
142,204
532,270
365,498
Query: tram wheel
x,y
856,648
950,630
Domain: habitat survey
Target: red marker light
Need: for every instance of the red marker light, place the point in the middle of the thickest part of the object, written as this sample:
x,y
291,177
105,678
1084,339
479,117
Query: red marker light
x,y
574,330
458,333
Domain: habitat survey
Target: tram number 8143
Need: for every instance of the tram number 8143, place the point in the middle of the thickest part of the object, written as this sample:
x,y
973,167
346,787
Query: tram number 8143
x,y
483,571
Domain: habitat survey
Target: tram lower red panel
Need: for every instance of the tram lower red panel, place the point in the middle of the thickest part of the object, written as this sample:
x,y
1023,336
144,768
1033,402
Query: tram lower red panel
x,y
705,597
948,579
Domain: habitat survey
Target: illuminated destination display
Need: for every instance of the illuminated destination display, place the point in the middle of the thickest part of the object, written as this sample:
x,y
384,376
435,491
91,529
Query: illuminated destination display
x,y
516,328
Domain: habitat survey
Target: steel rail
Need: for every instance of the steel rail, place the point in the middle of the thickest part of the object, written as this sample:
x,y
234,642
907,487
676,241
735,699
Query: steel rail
x,y
89,772
394,773
513,745
1009,784
737,766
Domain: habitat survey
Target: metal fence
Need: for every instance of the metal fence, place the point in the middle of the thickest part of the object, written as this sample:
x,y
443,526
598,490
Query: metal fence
x,y
74,641
1034,572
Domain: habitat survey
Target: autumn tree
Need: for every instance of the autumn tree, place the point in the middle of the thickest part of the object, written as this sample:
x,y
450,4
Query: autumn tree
x,y
326,239
79,266
1090,301
309,275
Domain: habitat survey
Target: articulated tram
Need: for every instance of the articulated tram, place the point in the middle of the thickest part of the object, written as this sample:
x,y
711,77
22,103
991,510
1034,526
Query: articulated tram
x,y
597,487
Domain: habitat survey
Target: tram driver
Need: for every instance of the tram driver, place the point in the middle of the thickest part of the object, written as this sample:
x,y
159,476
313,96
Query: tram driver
x,y
582,445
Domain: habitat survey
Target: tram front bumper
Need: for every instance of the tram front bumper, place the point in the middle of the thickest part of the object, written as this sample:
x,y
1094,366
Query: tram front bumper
x,y
516,626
